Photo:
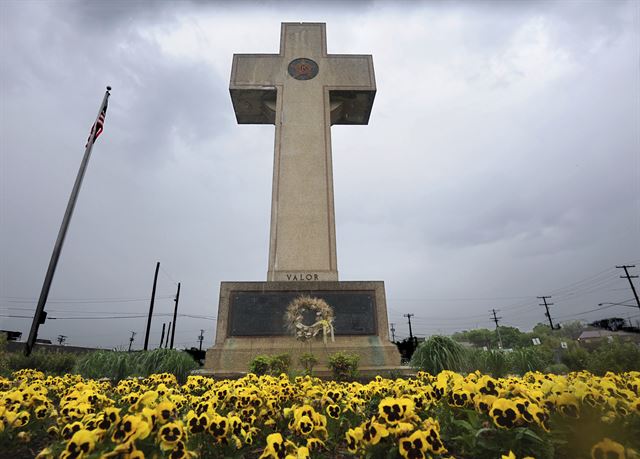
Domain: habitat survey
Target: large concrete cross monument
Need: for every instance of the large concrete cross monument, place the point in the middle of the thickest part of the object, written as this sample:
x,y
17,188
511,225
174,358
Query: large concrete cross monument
x,y
303,91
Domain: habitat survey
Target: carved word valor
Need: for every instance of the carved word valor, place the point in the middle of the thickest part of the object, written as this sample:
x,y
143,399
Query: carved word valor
x,y
302,277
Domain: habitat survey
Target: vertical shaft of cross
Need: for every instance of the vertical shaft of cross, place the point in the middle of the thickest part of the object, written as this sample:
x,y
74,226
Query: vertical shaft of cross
x,y
303,91
303,229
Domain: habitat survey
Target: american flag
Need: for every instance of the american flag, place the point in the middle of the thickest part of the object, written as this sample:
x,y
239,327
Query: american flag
x,y
98,126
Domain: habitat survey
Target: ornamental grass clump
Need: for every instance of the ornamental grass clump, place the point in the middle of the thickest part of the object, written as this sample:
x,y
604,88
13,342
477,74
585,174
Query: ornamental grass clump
x,y
438,353
529,359
117,365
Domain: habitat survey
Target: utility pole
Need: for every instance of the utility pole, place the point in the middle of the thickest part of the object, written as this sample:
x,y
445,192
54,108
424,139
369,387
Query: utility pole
x,y
546,306
162,336
633,289
131,339
495,319
175,315
409,316
62,339
166,342
153,298
393,333
200,338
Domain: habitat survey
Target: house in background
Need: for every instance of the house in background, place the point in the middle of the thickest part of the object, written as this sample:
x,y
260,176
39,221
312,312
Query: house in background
x,y
597,335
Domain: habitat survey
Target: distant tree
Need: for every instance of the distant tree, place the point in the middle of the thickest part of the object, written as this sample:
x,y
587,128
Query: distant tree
x,y
571,330
513,338
616,356
612,323
576,358
479,337
541,330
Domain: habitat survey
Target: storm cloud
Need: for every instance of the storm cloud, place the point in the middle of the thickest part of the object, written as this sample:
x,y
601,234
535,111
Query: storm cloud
x,y
501,161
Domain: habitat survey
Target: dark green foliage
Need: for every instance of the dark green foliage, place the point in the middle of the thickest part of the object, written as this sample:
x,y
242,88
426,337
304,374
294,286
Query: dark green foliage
x,y
48,361
4,364
576,358
308,361
479,337
260,365
344,365
438,353
270,364
616,356
117,365
280,364
482,337
494,362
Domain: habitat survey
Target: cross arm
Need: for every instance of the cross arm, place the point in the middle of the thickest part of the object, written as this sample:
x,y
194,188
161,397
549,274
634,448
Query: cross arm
x,y
253,87
352,88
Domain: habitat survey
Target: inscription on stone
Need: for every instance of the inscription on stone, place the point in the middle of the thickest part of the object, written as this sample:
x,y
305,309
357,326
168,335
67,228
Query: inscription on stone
x,y
302,276
262,313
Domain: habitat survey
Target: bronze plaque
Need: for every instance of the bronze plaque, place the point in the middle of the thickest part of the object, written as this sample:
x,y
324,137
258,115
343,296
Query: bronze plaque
x,y
303,68
253,313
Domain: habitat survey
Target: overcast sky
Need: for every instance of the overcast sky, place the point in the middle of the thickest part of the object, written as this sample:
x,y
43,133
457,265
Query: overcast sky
x,y
501,161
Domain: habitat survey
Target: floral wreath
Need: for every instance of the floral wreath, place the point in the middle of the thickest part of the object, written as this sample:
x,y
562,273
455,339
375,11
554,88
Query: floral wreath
x,y
324,318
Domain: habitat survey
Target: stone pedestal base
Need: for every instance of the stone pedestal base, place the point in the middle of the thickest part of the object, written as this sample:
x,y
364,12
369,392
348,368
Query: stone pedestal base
x,y
234,355
250,323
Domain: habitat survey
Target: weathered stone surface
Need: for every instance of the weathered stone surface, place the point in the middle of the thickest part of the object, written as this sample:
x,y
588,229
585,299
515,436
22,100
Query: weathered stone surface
x,y
232,354
303,91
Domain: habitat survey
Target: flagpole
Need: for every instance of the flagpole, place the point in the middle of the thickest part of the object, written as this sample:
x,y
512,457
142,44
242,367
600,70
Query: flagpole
x,y
40,316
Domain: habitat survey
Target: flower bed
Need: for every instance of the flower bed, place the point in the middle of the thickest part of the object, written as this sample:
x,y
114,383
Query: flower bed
x,y
448,415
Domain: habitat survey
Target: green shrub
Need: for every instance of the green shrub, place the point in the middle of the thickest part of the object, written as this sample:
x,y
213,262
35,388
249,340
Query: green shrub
x,y
438,353
260,365
308,361
616,356
576,359
279,364
117,365
344,365
273,365
53,362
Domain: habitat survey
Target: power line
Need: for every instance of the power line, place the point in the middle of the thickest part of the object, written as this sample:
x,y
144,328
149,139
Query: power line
x,y
111,317
589,311
460,299
168,275
19,300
